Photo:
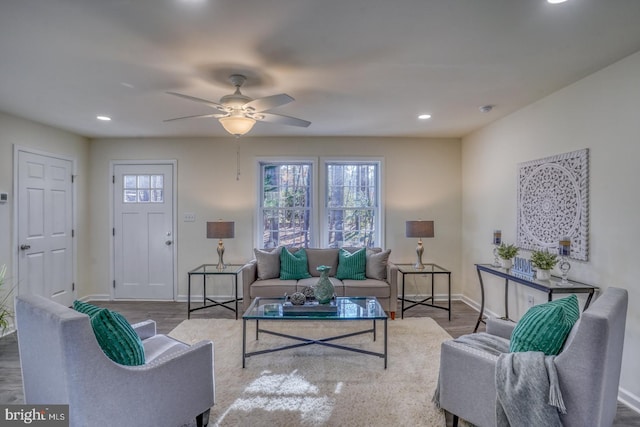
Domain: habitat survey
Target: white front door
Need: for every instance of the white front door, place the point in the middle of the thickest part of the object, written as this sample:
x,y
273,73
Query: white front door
x,y
45,221
143,231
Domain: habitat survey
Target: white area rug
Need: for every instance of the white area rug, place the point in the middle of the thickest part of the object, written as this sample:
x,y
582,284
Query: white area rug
x,y
321,386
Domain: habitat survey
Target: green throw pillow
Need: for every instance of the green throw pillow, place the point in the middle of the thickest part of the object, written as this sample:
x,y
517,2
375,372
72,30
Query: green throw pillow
x,y
293,266
545,327
117,338
115,335
86,308
352,265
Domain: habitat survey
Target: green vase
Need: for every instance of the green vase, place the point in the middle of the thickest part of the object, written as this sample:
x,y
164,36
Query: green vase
x,y
324,291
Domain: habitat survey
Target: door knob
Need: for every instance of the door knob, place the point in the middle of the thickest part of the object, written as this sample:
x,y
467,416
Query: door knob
x,y
168,242
25,247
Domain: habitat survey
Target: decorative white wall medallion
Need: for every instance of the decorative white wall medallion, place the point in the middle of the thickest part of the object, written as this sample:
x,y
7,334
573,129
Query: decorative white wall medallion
x,y
553,201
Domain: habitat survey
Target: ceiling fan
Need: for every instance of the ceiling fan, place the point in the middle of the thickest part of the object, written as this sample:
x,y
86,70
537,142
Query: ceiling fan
x,y
237,113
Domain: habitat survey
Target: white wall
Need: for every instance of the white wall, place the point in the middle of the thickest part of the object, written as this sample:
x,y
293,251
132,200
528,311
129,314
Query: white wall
x,y
32,135
422,179
599,112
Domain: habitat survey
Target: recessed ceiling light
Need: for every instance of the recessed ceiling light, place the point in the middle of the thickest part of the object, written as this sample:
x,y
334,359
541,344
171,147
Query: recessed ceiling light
x,y
486,108
103,118
424,116
556,1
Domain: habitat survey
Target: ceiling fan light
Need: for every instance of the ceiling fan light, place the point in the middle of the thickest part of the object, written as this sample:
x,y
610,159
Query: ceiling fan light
x,y
237,126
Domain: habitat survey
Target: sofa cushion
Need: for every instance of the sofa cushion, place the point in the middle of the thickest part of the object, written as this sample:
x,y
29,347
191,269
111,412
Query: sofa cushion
x,y
366,288
272,288
268,263
545,327
117,338
352,265
161,346
318,256
377,264
293,266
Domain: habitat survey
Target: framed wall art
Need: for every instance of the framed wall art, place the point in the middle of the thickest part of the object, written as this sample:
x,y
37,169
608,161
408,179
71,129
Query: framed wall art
x,y
553,202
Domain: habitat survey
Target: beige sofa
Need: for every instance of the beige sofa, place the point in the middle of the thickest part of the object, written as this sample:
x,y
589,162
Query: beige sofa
x,y
260,277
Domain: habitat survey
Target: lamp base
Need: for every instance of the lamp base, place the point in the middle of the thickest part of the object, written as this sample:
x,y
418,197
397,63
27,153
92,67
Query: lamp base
x,y
220,265
419,251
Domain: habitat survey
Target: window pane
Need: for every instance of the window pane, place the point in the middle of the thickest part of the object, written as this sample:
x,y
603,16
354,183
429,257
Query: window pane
x,y
143,181
285,201
129,181
143,195
352,203
157,181
130,196
156,196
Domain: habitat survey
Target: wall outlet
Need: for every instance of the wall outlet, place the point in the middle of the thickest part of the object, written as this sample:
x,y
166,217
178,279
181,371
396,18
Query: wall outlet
x,y
530,301
189,217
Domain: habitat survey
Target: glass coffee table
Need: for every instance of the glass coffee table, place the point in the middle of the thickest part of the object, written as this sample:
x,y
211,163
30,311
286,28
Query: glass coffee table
x,y
347,309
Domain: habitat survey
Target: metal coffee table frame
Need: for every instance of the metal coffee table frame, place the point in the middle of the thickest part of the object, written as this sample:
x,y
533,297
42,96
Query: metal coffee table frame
x,y
366,309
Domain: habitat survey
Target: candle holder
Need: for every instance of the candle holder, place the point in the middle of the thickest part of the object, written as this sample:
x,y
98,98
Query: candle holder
x,y
497,240
564,250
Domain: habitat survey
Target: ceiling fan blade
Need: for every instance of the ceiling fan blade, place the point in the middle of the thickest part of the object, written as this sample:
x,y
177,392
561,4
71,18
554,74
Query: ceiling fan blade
x,y
197,116
204,101
268,102
281,119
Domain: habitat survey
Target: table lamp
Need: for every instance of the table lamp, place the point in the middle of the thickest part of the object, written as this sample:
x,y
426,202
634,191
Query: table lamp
x,y
419,229
220,230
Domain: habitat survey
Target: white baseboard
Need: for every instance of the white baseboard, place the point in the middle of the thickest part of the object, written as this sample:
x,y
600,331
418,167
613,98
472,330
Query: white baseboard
x,y
8,331
629,399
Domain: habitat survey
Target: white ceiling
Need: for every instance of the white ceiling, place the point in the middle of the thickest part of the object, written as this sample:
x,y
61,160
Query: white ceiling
x,y
355,67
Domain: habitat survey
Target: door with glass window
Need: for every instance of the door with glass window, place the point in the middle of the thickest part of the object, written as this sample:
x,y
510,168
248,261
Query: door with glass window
x,y
143,235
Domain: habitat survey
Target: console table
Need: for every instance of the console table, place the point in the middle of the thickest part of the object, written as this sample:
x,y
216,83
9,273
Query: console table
x,y
205,270
432,270
551,286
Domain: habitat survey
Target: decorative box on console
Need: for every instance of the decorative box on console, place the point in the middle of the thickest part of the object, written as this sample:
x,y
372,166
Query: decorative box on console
x,y
310,308
522,267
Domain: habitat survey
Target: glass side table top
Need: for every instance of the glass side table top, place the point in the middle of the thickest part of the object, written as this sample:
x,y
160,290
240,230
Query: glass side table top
x,y
428,268
349,308
212,269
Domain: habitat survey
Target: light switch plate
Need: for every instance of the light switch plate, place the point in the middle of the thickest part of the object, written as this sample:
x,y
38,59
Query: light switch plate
x,y
189,217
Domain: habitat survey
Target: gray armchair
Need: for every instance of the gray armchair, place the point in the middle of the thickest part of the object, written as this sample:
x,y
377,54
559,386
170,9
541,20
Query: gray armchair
x,y
588,368
62,363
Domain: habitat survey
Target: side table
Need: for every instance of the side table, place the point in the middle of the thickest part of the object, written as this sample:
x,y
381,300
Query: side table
x,y
432,270
205,270
551,286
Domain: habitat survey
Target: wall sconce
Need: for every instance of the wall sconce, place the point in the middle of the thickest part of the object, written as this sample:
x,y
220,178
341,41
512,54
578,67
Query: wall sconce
x,y
220,230
419,229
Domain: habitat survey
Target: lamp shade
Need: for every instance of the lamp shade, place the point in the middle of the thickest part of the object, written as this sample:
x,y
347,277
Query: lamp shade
x,y
237,125
220,230
419,229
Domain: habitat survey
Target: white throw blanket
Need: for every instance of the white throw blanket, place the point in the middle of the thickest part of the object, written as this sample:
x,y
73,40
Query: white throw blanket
x,y
528,392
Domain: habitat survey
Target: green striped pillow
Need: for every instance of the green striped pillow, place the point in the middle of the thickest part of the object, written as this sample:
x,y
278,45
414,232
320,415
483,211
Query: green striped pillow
x,y
86,308
545,327
352,265
293,266
117,338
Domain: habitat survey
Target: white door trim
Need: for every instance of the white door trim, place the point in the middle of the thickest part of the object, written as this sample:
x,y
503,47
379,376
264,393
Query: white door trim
x,y
74,245
112,165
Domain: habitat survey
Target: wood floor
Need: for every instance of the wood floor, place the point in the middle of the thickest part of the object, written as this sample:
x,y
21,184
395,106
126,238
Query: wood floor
x,y
169,314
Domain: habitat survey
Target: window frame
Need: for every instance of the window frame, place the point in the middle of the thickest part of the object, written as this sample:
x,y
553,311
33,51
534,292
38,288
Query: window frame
x,y
318,226
323,190
313,198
